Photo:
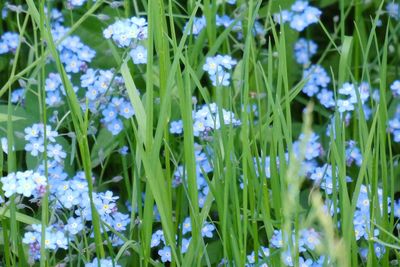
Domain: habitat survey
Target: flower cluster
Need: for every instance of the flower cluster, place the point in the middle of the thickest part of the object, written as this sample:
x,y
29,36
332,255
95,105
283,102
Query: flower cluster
x,y
349,98
55,239
73,53
304,50
317,80
217,68
309,240
300,16
9,42
51,152
353,154
206,119
65,195
35,134
27,184
103,263
55,90
263,255
158,239
395,87
18,96
124,32
72,194
393,10
313,151
100,84
113,113
56,17
203,167
361,219
323,176
199,23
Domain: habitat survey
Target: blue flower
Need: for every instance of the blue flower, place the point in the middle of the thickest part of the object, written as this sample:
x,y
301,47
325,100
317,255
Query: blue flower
x,y
217,68
120,221
35,146
73,53
123,150
317,78
394,125
310,238
156,238
226,61
305,262
28,184
304,50
32,132
287,259
393,10
283,16
326,99
353,154
185,245
56,152
103,263
31,237
199,23
72,63
86,54
298,22
379,250
25,186
115,126
70,198
347,89
9,42
344,105
139,55
110,113
224,20
300,17
88,78
18,95
221,78
186,226
313,147
92,93
395,87
76,3
53,99
124,32
126,110
207,230
74,225
176,127
165,254
211,65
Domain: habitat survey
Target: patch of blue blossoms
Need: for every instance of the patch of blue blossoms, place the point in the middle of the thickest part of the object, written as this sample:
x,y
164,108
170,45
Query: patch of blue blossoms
x,y
218,68
300,15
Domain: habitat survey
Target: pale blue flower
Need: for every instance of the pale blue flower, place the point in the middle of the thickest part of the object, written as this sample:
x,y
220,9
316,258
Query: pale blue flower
x,y
139,55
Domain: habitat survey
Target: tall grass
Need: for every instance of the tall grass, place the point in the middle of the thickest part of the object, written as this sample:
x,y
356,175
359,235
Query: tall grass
x,y
245,217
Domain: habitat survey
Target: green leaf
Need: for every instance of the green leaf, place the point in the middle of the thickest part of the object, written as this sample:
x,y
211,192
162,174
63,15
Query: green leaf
x,y
103,147
20,114
4,212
